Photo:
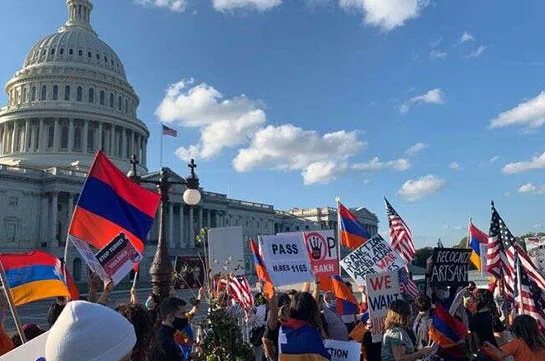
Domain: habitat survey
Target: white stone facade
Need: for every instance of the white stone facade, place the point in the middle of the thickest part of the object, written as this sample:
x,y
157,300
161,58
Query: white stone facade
x,y
70,99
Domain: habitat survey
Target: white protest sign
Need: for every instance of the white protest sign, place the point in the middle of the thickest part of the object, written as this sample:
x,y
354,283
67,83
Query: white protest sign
x,y
286,259
89,257
484,251
33,350
373,256
382,290
342,350
226,250
536,250
118,258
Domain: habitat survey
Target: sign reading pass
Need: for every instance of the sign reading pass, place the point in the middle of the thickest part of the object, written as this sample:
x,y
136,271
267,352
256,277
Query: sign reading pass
x,y
450,266
382,290
343,351
373,256
286,259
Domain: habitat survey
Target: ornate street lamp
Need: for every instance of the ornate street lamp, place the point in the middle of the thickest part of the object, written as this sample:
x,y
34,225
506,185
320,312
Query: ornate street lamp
x,y
161,268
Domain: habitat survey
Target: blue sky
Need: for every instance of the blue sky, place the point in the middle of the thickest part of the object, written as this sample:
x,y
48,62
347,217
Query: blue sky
x,y
293,103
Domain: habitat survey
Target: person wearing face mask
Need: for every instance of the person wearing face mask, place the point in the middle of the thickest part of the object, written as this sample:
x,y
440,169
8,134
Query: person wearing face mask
x,y
174,319
336,329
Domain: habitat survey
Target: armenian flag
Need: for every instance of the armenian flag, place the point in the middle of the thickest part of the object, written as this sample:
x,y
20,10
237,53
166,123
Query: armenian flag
x,y
110,203
301,342
446,330
346,304
185,340
36,275
351,232
475,240
261,271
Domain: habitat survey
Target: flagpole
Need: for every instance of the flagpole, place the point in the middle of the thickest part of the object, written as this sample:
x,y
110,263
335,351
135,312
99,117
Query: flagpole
x,y
519,289
339,236
13,309
161,153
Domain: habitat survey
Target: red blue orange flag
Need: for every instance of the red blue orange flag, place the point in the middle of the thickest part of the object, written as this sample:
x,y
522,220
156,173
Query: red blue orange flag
x,y
446,330
300,341
475,240
346,304
351,232
260,270
35,276
111,204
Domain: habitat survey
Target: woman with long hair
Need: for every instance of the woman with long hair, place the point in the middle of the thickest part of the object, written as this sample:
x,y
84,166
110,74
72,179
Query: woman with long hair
x,y
528,345
396,342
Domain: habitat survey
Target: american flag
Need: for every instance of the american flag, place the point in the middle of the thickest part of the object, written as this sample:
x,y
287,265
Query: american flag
x,y
400,234
529,296
241,292
169,131
500,258
406,284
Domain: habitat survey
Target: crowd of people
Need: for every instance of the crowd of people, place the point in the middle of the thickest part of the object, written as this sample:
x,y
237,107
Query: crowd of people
x,y
287,326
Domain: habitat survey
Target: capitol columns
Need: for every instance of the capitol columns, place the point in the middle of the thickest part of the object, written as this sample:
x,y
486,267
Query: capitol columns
x,y
14,137
191,230
171,223
70,134
112,140
182,241
54,215
84,136
41,140
56,136
100,143
26,137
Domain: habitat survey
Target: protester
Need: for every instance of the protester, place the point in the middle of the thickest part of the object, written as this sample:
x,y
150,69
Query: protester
x,y
6,343
146,348
278,313
528,345
396,343
88,331
350,320
300,334
481,325
258,322
30,330
152,305
335,327
173,318
55,310
422,322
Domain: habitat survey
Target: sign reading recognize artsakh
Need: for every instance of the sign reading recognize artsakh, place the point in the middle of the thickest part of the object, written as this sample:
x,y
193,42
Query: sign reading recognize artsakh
x,y
450,266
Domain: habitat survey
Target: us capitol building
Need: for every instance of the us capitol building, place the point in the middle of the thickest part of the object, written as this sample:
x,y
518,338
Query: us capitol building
x,y
72,98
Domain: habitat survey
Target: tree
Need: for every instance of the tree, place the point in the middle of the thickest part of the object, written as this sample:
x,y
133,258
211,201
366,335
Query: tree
x,y
421,256
462,243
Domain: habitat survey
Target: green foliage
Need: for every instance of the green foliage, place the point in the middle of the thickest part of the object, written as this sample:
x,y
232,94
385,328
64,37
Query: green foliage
x,y
421,256
223,341
462,243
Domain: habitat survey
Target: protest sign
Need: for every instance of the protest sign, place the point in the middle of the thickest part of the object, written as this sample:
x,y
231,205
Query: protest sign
x,y
382,290
484,251
189,273
373,256
226,250
286,259
342,350
536,250
450,266
323,252
89,257
33,350
118,258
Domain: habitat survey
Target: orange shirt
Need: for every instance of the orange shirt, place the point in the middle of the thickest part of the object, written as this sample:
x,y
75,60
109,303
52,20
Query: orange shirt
x,y
521,352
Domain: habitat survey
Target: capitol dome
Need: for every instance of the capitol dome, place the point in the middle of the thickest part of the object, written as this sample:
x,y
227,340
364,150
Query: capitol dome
x,y
70,99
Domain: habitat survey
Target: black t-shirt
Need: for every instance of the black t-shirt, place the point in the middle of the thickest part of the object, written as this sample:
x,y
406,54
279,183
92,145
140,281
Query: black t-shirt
x,y
165,337
373,349
482,326
272,334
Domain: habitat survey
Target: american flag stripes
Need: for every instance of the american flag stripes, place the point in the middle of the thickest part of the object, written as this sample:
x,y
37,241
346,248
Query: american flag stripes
x,y
406,284
528,295
241,292
400,234
169,131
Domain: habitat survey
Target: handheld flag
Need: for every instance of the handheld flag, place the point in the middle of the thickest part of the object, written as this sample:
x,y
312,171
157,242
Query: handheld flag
x,y
475,239
260,269
446,330
35,276
346,304
351,232
400,235
111,204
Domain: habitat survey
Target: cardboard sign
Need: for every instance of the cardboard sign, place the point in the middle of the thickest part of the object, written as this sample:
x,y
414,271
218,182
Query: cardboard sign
x,y
536,250
33,350
450,266
118,258
189,273
286,259
374,256
342,350
89,257
226,250
323,252
382,290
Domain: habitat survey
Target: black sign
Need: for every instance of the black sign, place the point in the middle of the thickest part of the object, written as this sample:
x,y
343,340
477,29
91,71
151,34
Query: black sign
x,y
450,267
189,273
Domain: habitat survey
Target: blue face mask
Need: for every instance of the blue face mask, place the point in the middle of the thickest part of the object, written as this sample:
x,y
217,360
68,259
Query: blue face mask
x,y
150,304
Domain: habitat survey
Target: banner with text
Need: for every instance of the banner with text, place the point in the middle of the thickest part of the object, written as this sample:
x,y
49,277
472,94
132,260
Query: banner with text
x,y
323,252
536,250
342,350
89,257
286,259
450,267
118,258
382,290
373,256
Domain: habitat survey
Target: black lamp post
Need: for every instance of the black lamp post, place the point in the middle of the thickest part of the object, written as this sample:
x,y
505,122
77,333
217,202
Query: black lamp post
x,y
161,268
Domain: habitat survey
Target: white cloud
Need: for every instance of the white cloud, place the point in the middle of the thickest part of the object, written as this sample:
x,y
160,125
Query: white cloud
x,y
437,54
173,5
453,228
494,159
416,148
466,36
532,188
454,166
537,162
415,189
223,123
386,14
399,165
434,96
478,52
287,147
231,5
530,114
